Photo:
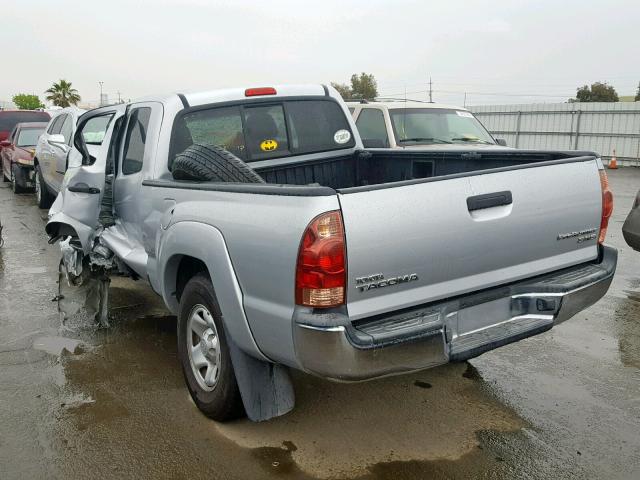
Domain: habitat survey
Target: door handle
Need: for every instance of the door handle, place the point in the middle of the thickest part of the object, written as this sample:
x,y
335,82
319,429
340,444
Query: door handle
x,y
83,188
488,200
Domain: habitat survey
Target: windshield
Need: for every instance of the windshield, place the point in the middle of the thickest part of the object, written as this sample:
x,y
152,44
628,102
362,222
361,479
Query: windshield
x,y
28,137
414,126
259,131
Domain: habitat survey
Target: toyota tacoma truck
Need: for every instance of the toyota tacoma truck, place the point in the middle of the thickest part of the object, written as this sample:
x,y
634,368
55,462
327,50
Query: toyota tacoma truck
x,y
281,243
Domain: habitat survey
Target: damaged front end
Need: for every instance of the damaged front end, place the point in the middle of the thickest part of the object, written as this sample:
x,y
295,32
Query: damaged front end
x,y
83,281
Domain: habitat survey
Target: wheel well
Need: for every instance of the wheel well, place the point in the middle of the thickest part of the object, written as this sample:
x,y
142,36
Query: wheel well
x,y
188,268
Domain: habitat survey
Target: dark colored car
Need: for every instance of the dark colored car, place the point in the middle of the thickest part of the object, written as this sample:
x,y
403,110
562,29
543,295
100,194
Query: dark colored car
x,y
631,226
10,118
17,155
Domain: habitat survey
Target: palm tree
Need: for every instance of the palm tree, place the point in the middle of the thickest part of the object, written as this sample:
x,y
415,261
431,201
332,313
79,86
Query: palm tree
x,y
62,94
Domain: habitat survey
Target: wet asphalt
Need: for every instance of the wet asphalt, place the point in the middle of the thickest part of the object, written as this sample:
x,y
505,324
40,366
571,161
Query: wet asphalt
x,y
77,401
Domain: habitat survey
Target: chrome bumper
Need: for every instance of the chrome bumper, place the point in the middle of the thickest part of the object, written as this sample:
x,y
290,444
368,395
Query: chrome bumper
x,y
333,347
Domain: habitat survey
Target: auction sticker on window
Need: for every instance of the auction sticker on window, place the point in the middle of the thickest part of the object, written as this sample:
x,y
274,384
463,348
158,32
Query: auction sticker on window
x,y
342,136
464,114
268,145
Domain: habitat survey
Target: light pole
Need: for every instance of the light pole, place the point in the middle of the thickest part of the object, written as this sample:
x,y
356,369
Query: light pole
x,y
101,93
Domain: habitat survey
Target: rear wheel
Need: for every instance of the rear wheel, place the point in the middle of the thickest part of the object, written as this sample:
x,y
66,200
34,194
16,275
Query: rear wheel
x,y
204,352
44,198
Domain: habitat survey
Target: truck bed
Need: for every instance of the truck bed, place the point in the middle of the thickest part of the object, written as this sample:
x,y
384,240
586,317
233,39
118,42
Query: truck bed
x,y
379,167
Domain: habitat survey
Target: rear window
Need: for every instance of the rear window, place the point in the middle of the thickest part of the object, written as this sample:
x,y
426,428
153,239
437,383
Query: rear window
x,y
8,120
28,137
262,131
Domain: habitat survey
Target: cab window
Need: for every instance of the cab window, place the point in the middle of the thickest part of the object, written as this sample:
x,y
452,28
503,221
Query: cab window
x,y
372,128
135,139
260,131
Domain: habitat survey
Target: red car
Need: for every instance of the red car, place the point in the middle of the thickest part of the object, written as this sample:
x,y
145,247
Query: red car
x,y
16,155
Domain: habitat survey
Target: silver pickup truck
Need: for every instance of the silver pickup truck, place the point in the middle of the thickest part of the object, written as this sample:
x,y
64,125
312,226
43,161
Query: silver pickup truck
x,y
279,242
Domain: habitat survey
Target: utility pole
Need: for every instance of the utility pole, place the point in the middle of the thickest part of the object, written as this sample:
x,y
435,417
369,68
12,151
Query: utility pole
x,y
119,99
465,100
430,91
100,92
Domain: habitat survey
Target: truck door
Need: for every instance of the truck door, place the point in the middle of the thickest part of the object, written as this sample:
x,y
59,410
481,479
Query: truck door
x,y
137,151
77,207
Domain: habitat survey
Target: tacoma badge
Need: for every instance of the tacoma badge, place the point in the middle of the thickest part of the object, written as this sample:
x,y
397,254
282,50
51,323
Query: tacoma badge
x,y
377,280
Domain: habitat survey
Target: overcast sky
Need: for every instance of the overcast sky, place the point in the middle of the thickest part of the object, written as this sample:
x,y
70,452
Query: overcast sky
x,y
498,51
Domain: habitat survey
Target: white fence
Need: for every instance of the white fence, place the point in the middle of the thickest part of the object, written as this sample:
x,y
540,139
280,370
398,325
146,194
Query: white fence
x,y
599,127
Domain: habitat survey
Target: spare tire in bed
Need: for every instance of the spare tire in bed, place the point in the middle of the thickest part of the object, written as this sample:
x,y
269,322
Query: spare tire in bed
x,y
214,164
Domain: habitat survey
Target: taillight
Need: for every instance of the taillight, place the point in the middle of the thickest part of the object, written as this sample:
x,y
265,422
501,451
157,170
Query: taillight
x,y
320,272
256,92
607,205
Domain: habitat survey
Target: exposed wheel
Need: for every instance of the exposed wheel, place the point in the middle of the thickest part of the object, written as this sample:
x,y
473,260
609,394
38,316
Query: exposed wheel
x,y
44,198
18,182
213,163
204,352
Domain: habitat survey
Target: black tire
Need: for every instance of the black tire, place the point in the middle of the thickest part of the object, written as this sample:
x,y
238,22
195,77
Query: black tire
x,y
212,163
18,180
223,403
44,198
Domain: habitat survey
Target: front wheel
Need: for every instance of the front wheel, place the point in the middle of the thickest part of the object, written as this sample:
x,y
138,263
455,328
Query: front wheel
x,y
204,352
18,181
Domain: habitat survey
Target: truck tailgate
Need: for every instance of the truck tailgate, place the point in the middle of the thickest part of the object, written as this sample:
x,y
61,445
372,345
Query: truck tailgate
x,y
415,243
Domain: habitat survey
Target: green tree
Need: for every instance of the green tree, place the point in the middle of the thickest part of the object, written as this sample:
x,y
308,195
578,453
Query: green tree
x,y
597,92
363,86
62,94
637,99
25,101
343,89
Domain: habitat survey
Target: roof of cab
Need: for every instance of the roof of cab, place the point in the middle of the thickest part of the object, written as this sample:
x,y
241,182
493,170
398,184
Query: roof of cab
x,y
231,94
206,97
402,104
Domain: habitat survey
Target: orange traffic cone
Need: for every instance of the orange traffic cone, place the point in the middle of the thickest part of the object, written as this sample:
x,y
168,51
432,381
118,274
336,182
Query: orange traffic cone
x,y
613,163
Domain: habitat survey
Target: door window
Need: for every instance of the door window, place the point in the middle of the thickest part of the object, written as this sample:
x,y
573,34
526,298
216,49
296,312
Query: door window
x,y
135,139
95,129
66,129
56,125
372,128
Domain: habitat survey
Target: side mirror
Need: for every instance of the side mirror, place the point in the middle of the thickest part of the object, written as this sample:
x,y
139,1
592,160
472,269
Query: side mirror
x,y
501,141
57,138
5,143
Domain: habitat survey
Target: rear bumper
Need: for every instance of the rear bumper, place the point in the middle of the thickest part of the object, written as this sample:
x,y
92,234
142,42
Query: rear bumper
x,y
331,346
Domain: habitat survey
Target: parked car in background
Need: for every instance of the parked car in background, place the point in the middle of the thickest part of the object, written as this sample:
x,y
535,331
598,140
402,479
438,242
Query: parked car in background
x,y
631,226
410,124
17,155
50,160
10,118
278,241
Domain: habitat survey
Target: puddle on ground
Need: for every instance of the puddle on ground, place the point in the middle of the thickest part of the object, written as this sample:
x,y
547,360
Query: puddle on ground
x,y
130,396
58,345
344,429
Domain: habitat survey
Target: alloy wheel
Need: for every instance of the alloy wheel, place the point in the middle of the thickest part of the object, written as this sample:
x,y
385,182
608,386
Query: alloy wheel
x,y
203,347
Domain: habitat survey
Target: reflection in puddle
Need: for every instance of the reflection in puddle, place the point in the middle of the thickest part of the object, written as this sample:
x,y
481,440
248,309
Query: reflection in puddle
x,y
57,345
